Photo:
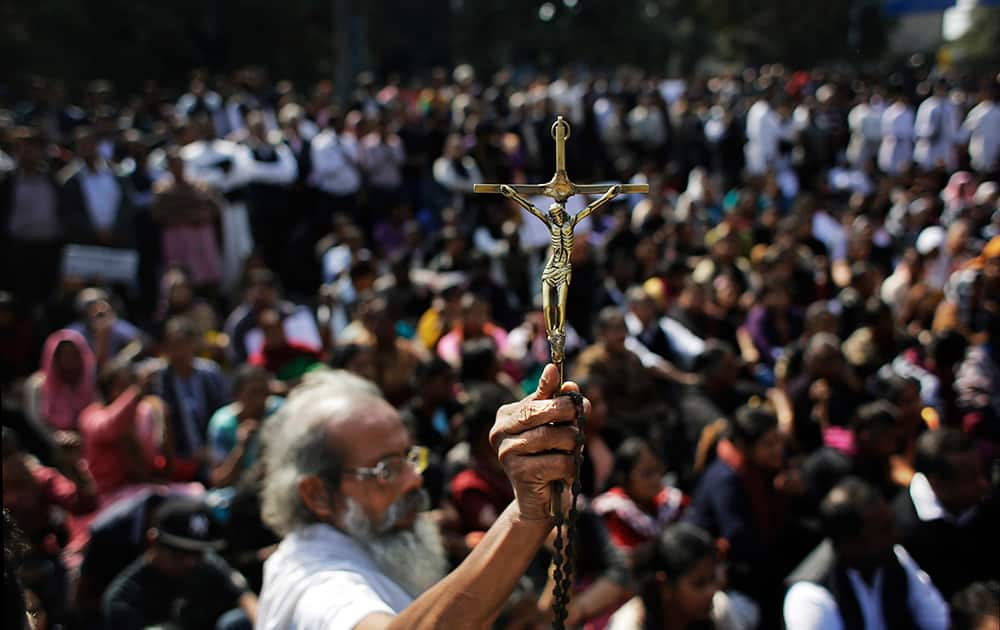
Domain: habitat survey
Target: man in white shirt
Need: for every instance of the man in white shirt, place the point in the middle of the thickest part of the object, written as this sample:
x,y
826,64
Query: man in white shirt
x,y
896,151
948,518
765,131
859,579
982,129
344,489
336,172
865,121
936,128
95,207
456,171
227,167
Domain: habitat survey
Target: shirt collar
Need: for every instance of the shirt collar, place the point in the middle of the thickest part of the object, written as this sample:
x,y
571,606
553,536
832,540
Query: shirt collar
x,y
102,168
925,502
927,505
326,535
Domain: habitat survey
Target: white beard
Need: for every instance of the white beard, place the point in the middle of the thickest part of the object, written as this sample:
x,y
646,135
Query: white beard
x,y
413,558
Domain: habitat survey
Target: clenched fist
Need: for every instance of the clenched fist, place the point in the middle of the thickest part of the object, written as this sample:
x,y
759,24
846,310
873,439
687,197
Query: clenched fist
x,y
535,440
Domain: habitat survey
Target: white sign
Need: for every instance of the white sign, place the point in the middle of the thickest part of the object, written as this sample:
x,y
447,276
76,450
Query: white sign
x,y
100,263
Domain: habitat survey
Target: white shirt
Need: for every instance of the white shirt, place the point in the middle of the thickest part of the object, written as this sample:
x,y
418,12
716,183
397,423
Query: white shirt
x,y
102,195
452,179
982,127
831,233
204,160
897,138
865,121
685,343
647,126
648,358
281,171
764,132
809,606
927,506
335,164
322,579
936,129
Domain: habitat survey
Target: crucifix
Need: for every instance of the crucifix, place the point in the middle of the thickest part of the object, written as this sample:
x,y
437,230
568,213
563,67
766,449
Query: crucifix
x,y
557,273
555,288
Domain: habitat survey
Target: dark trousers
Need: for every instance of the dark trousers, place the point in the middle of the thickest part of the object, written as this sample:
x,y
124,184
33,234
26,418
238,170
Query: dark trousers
x,y
329,206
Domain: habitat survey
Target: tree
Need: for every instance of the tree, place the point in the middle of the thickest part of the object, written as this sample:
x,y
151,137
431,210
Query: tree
x,y
978,49
798,33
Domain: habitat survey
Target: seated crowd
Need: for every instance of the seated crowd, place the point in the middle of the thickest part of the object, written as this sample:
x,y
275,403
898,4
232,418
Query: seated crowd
x,y
300,407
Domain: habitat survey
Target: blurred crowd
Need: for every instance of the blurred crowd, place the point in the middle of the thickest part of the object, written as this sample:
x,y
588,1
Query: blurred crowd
x,y
791,345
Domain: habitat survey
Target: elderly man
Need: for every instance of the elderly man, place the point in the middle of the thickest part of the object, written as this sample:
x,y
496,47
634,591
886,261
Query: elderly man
x,y
344,489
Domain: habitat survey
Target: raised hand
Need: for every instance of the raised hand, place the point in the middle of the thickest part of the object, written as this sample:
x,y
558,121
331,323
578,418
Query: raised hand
x,y
535,440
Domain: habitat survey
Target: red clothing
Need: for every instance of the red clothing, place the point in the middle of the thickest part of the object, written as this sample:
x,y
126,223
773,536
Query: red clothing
x,y
275,360
32,492
768,508
108,430
628,524
480,495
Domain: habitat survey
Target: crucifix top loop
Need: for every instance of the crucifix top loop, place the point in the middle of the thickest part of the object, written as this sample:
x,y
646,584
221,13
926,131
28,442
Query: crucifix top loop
x,y
560,133
560,187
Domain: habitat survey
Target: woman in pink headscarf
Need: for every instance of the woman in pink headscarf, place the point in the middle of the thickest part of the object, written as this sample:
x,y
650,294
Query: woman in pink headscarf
x,y
66,383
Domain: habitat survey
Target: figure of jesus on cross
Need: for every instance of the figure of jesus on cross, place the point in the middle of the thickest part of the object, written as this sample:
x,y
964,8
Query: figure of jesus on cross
x,y
558,272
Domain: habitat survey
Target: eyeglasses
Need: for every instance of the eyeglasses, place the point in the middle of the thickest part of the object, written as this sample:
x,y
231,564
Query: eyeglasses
x,y
391,467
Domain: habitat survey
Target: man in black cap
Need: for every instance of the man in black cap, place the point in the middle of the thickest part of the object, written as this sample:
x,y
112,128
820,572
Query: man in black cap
x,y
179,582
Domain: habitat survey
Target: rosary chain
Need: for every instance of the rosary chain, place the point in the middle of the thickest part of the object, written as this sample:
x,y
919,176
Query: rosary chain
x,y
562,574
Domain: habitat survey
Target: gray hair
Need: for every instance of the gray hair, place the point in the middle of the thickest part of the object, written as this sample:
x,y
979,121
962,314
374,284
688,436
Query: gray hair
x,y
295,443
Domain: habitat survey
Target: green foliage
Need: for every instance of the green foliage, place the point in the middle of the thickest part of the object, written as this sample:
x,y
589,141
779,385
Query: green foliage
x,y
979,48
799,33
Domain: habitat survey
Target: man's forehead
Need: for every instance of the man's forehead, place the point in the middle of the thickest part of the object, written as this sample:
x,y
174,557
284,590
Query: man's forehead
x,y
373,430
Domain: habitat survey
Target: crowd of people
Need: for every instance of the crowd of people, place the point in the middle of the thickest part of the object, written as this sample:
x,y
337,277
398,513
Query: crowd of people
x,y
262,352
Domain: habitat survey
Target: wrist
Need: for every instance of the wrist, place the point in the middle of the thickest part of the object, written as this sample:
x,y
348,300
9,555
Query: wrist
x,y
530,519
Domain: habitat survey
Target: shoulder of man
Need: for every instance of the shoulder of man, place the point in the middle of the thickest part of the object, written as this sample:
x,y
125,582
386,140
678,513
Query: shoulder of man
x,y
68,174
128,582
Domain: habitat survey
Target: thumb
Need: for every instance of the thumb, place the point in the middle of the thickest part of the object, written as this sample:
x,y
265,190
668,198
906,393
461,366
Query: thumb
x,y
548,384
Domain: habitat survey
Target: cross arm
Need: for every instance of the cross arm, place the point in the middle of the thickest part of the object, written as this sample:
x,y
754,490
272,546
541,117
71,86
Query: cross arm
x,y
524,189
600,189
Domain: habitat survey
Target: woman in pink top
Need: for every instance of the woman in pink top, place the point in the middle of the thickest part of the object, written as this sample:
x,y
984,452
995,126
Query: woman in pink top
x,y
122,438
475,323
187,211
64,386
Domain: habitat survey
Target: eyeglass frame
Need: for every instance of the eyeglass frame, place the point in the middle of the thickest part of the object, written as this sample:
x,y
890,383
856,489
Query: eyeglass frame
x,y
415,456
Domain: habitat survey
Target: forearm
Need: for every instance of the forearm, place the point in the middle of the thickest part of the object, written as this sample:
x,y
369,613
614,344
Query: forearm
x,y
120,414
248,602
603,595
225,473
473,594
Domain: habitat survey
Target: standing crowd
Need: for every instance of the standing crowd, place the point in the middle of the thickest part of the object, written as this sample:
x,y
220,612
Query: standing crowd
x,y
261,345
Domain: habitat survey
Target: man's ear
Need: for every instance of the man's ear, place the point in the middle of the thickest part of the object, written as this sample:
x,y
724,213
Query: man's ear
x,y
314,494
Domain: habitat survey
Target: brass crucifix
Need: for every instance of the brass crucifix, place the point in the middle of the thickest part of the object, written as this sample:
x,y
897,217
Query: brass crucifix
x,y
557,273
